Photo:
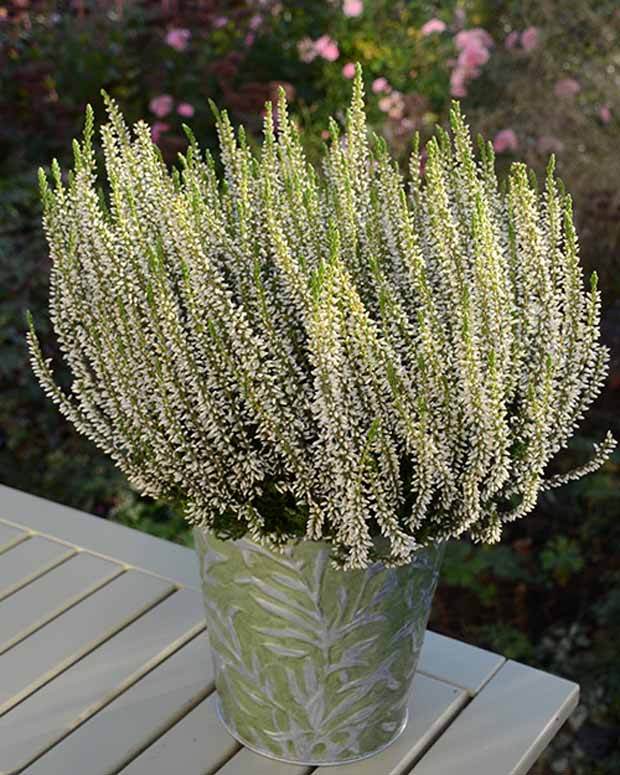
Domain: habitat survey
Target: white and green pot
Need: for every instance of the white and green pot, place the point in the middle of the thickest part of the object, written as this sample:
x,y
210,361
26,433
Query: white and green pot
x,y
313,665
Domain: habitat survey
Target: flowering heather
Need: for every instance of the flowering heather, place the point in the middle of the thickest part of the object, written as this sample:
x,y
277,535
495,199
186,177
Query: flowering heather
x,y
335,355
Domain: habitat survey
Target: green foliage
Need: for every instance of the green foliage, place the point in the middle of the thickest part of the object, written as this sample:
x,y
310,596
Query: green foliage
x,y
474,568
509,641
608,609
57,63
570,629
562,558
157,519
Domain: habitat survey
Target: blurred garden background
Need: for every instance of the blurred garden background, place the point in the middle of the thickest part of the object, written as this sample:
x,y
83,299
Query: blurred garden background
x,y
535,76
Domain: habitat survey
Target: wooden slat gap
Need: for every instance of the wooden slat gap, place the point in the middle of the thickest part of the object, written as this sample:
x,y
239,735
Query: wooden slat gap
x,y
13,542
530,757
511,722
87,593
36,575
60,520
10,523
88,550
225,761
36,534
440,730
39,684
470,694
151,665
161,731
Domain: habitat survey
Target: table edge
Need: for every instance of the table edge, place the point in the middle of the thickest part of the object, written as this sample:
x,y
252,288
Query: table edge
x,y
103,537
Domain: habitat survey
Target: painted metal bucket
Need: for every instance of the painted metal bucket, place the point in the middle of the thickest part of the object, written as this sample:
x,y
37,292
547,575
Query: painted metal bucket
x,y
313,665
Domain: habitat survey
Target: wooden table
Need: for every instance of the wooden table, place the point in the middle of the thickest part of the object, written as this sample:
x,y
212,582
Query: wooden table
x,y
105,668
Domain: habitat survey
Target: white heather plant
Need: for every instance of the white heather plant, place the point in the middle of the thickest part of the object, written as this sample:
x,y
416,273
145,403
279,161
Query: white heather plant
x,y
341,355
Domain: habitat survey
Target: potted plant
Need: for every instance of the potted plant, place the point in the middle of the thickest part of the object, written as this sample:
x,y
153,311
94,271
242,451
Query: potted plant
x,y
333,373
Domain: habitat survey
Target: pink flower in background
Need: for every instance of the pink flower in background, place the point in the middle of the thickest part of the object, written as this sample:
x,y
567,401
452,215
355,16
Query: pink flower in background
x,y
431,26
185,109
249,39
256,21
161,105
178,38
352,7
327,48
220,21
566,87
473,46
511,40
472,56
476,36
158,129
457,83
506,140
325,134
547,144
380,85
393,105
530,38
306,50
605,114
349,70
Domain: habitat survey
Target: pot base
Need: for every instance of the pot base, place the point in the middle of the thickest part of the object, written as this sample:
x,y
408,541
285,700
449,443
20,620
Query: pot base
x,y
316,763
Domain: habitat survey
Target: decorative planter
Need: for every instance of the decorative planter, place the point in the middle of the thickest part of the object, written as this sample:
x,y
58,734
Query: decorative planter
x,y
313,665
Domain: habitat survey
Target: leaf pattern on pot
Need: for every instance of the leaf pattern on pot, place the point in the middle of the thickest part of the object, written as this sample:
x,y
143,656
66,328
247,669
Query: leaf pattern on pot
x,y
313,664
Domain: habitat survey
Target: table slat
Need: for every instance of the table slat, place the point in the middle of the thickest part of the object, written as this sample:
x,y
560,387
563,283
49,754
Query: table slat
x,y
505,727
84,687
433,704
101,536
44,598
247,761
134,715
9,535
75,632
136,718
196,745
458,663
29,559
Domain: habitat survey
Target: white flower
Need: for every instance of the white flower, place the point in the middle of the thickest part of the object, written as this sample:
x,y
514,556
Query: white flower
x,y
402,359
